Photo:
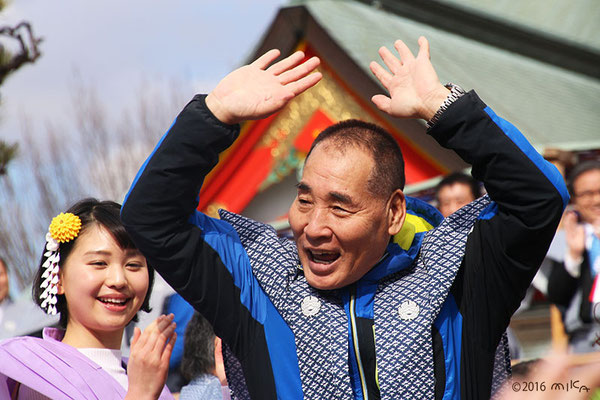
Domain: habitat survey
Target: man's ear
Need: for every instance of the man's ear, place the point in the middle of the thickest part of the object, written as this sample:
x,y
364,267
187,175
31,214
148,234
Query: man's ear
x,y
396,212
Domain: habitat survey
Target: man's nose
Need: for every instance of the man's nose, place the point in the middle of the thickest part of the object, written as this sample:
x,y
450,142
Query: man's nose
x,y
318,225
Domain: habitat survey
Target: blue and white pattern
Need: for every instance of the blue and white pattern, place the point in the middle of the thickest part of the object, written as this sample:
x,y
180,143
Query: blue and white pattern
x,y
404,346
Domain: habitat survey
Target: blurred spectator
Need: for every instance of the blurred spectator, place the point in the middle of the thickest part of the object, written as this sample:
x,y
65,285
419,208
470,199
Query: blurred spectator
x,y
573,283
455,191
183,311
4,288
202,363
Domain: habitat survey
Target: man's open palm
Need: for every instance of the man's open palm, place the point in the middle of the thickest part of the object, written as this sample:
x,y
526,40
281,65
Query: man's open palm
x,y
258,90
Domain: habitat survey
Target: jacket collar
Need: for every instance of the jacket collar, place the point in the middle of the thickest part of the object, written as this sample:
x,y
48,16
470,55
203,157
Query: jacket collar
x,y
404,246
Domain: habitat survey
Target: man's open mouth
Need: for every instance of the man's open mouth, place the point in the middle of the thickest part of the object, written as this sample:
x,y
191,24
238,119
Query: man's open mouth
x,y
323,257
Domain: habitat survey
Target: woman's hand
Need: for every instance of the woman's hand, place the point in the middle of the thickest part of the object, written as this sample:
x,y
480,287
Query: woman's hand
x,y
149,359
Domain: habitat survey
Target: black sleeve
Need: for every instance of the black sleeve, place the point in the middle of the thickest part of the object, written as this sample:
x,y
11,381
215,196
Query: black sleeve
x,y
509,242
511,238
165,193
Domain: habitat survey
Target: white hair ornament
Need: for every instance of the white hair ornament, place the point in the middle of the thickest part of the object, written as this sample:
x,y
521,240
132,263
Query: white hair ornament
x,y
63,228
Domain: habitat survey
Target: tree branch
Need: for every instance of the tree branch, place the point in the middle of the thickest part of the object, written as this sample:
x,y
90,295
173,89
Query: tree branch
x,y
29,51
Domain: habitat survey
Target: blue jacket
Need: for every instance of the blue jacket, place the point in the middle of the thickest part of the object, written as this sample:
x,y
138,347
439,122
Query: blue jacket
x,y
425,322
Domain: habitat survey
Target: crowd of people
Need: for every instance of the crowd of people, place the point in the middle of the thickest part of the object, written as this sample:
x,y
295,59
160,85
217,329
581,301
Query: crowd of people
x,y
378,295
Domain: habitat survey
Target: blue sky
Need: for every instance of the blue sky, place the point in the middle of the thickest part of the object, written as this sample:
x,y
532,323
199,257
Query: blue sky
x,y
117,46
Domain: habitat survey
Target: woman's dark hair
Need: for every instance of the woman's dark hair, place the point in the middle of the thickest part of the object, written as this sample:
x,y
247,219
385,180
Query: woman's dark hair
x,y
198,348
91,212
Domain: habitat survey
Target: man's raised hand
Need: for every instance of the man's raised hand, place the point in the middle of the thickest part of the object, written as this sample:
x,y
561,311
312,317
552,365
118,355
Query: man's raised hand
x,y
258,90
412,83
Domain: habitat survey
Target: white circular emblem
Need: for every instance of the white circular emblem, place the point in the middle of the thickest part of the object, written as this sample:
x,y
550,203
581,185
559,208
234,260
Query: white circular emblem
x,y
408,310
310,306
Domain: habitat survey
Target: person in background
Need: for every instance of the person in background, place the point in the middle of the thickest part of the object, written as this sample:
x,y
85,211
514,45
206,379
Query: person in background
x,y
91,274
455,191
574,284
183,312
202,363
5,299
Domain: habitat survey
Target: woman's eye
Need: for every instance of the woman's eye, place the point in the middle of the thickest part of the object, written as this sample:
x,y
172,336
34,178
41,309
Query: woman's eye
x,y
134,265
98,263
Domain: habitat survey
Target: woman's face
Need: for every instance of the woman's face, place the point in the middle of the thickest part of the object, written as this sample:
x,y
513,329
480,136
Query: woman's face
x,y
104,285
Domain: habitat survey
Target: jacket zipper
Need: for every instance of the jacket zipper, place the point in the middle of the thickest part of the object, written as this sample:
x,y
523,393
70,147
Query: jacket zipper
x,y
361,372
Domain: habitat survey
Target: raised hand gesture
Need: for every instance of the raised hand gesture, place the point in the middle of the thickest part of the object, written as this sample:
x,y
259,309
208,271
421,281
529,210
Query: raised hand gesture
x,y
258,90
148,364
413,85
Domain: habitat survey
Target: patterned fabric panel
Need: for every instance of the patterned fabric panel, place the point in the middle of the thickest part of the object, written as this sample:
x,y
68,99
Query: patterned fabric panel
x,y
316,318
407,303
502,368
235,375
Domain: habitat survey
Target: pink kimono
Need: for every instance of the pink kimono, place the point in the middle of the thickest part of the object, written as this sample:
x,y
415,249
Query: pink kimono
x,y
55,370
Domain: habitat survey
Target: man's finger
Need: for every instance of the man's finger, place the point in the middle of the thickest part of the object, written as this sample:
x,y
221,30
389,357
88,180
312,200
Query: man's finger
x,y
305,83
404,51
287,63
390,60
380,73
263,61
382,102
299,71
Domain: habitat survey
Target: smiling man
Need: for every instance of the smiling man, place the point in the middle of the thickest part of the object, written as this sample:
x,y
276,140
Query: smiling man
x,y
340,226
574,283
377,296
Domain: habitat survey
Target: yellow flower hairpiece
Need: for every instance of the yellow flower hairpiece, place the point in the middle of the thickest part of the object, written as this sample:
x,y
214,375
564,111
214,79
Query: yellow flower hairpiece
x,y
64,227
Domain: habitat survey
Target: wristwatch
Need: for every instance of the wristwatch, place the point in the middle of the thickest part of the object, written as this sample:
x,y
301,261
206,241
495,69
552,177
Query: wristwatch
x,y
455,93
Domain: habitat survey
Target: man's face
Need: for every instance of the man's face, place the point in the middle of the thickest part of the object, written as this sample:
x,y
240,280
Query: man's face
x,y
586,196
452,197
340,228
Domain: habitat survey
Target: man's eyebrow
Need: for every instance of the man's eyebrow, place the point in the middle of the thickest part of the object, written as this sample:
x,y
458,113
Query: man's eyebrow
x,y
335,196
341,198
303,187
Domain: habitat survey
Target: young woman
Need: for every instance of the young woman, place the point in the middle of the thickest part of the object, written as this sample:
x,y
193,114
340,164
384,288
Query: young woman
x,y
94,277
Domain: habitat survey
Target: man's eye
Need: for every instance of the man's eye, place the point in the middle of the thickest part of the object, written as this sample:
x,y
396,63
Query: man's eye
x,y
340,209
303,201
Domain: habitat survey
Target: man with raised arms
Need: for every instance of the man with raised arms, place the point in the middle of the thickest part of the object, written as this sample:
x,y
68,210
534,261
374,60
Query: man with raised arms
x,y
377,296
